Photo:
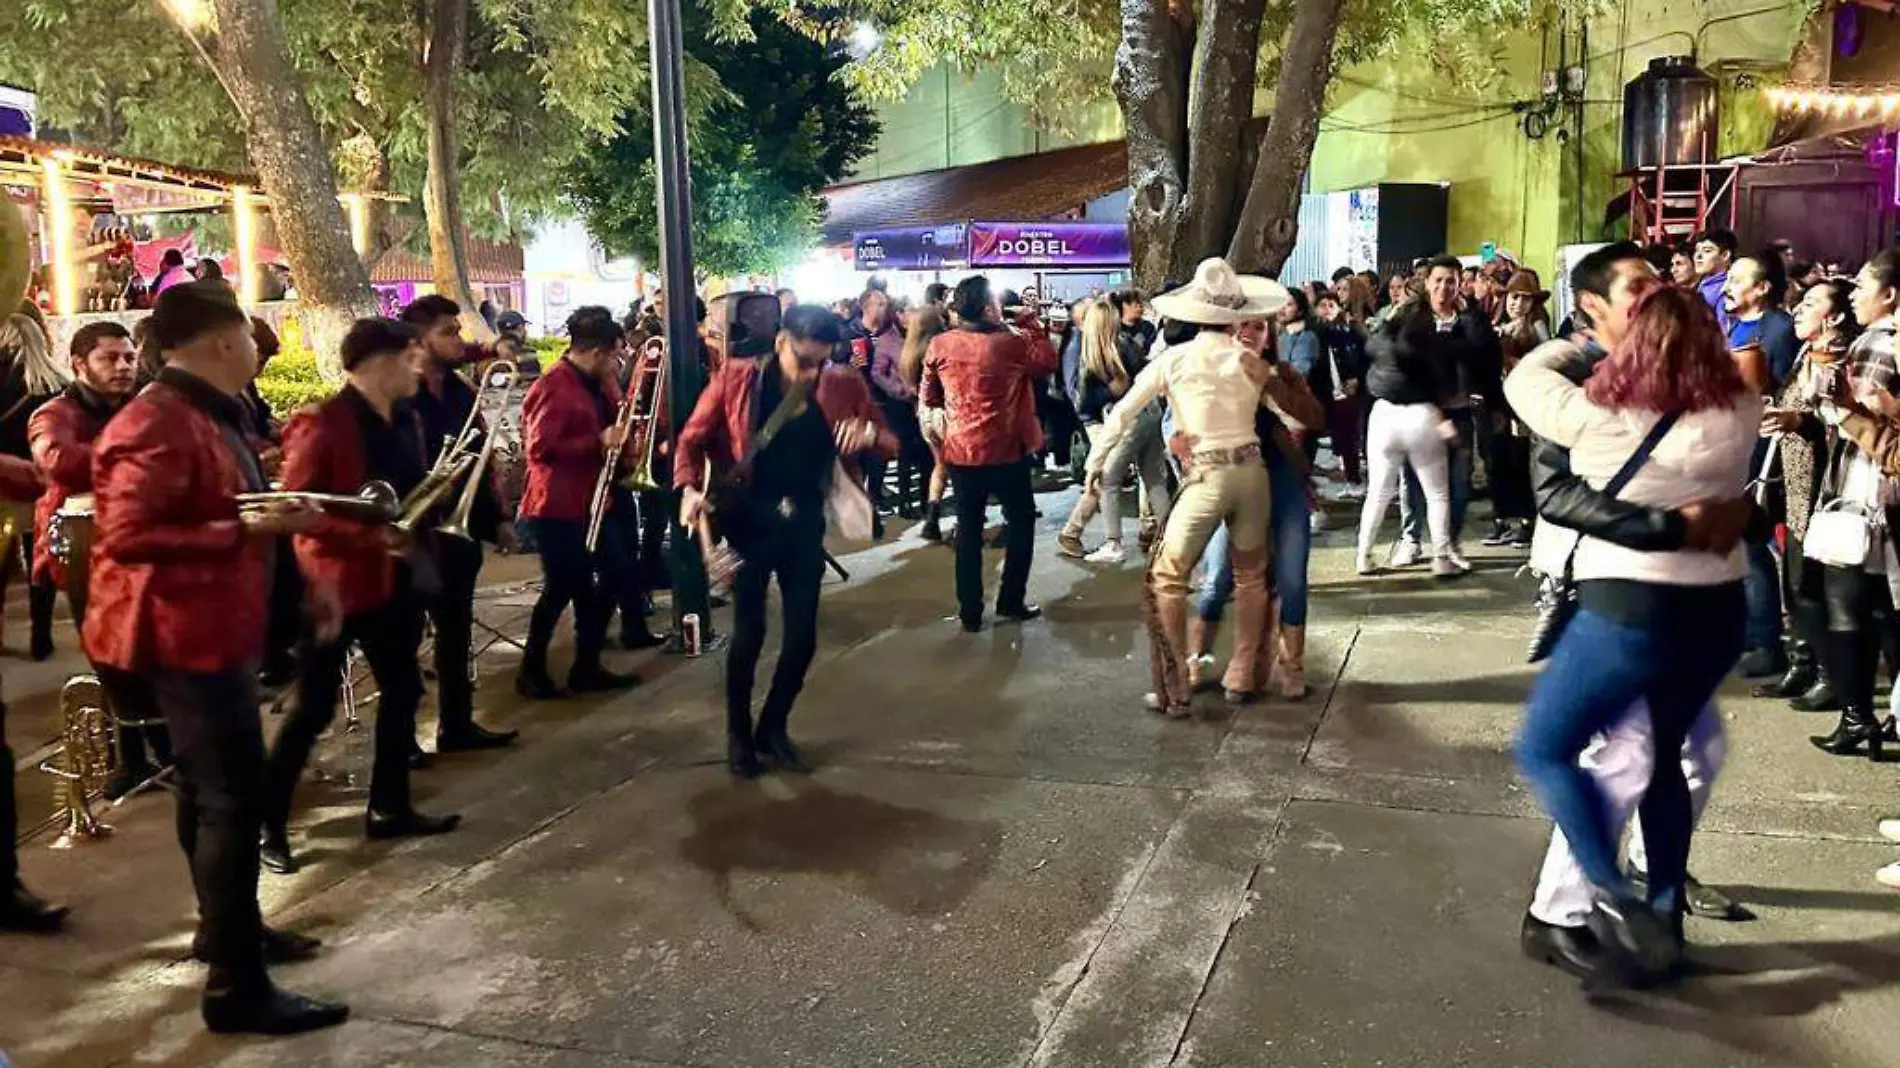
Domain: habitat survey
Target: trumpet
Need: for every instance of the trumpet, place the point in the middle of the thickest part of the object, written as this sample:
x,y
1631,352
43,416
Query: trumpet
x,y
376,502
638,414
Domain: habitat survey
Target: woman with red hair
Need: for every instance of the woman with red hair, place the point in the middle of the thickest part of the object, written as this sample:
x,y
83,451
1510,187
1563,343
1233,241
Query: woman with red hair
x,y
1665,421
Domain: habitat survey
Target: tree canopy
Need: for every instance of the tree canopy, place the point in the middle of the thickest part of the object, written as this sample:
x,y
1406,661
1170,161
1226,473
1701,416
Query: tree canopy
x,y
785,127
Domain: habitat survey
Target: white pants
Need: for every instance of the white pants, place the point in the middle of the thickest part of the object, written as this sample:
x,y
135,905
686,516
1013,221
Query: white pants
x,y
1398,434
1620,760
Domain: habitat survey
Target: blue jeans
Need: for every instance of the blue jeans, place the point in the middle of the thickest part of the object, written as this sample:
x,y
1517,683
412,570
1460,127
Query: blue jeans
x,y
1412,501
1763,589
1599,668
1291,539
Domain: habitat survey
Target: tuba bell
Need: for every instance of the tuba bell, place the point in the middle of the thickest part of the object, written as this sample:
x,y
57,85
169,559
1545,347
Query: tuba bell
x,y
86,760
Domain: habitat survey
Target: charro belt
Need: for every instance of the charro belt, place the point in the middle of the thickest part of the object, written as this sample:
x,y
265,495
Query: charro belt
x,y
1230,457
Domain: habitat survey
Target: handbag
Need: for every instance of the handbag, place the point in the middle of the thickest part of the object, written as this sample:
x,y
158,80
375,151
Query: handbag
x,y
1838,537
1557,595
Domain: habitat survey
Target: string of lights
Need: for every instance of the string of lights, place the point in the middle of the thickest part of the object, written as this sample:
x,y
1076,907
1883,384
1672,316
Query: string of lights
x,y
1838,101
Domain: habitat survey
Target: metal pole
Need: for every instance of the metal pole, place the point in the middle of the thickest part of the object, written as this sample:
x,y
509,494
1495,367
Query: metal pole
x,y
685,377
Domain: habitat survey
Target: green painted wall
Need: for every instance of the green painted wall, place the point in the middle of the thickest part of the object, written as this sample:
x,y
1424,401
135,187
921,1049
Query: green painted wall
x,y
1399,121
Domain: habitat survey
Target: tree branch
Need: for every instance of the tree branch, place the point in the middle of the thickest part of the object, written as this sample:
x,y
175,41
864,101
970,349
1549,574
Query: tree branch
x,y
1220,107
1269,222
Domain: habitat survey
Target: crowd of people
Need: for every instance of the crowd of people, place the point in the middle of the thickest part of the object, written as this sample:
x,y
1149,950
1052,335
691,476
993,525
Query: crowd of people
x,y
1675,518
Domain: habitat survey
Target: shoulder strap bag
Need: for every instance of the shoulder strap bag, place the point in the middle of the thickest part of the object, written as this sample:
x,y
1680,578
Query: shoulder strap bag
x,y
1557,594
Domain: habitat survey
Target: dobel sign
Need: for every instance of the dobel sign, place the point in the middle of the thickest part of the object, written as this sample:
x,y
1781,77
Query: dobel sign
x,y
1065,244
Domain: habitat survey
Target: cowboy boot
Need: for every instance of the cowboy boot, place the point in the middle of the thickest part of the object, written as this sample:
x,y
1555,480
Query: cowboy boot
x,y
1168,638
1251,627
1292,663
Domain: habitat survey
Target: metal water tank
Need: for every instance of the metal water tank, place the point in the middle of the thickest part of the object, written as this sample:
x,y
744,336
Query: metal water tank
x,y
1670,115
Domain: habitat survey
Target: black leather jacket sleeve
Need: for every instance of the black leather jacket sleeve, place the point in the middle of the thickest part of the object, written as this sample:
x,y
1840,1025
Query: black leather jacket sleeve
x,y
1567,500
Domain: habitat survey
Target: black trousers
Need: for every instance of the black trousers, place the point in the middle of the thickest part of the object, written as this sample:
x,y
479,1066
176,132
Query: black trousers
x,y
1860,624
142,750
285,621
389,637
567,578
452,611
914,461
619,563
658,510
1510,471
218,740
794,551
974,486
9,812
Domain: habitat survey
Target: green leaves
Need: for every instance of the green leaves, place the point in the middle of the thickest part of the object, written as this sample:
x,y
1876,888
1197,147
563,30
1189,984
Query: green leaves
x,y
781,127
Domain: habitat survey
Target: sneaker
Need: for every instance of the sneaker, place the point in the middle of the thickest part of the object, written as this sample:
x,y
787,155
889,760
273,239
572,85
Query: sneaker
x,y
1366,566
1520,537
1889,875
1070,545
1450,565
1890,830
1317,522
1500,535
1110,553
1405,554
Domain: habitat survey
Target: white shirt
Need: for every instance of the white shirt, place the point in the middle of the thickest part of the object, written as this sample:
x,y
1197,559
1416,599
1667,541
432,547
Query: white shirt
x,y
1213,388
1704,457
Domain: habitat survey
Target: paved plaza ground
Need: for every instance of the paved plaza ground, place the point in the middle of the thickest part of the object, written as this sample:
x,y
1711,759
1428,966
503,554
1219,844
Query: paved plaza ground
x,y
1002,861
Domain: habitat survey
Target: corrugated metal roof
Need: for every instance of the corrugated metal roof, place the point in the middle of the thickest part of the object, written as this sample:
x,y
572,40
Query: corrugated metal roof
x,y
488,261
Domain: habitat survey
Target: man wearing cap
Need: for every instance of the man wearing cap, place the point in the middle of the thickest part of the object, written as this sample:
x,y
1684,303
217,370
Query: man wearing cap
x,y
373,580
1214,386
180,578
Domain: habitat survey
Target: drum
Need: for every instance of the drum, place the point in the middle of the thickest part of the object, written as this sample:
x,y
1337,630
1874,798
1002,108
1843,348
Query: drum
x,y
69,536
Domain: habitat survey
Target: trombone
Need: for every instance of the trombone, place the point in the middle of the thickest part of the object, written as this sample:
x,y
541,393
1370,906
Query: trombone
x,y
376,502
638,414
459,462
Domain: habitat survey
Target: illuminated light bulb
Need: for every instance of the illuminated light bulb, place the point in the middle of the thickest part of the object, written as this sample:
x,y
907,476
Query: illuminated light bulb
x,y
1864,106
1889,104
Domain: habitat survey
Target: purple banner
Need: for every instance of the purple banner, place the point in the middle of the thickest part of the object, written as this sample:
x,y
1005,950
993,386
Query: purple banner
x,y
911,248
1049,244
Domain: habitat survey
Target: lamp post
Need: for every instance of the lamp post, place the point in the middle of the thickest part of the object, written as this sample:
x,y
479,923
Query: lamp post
x,y
684,377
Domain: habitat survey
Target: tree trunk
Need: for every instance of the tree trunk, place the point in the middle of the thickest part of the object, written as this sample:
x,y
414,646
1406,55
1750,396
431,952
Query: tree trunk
x,y
1269,223
281,138
1151,83
1220,109
442,191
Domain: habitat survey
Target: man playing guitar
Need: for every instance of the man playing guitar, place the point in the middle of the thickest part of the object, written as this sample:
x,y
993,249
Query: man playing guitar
x,y
756,423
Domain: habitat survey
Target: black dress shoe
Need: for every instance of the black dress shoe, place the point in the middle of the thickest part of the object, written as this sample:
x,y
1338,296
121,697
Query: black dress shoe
x,y
777,753
536,686
1819,697
1763,664
418,759
277,676
1570,949
42,647
1020,614
742,760
410,824
1704,901
1639,944
636,640
273,852
280,947
473,737
600,680
24,912
278,1012
1799,679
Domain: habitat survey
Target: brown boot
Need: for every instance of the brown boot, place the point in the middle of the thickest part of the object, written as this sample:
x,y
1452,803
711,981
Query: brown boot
x,y
1167,635
1292,664
1245,669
